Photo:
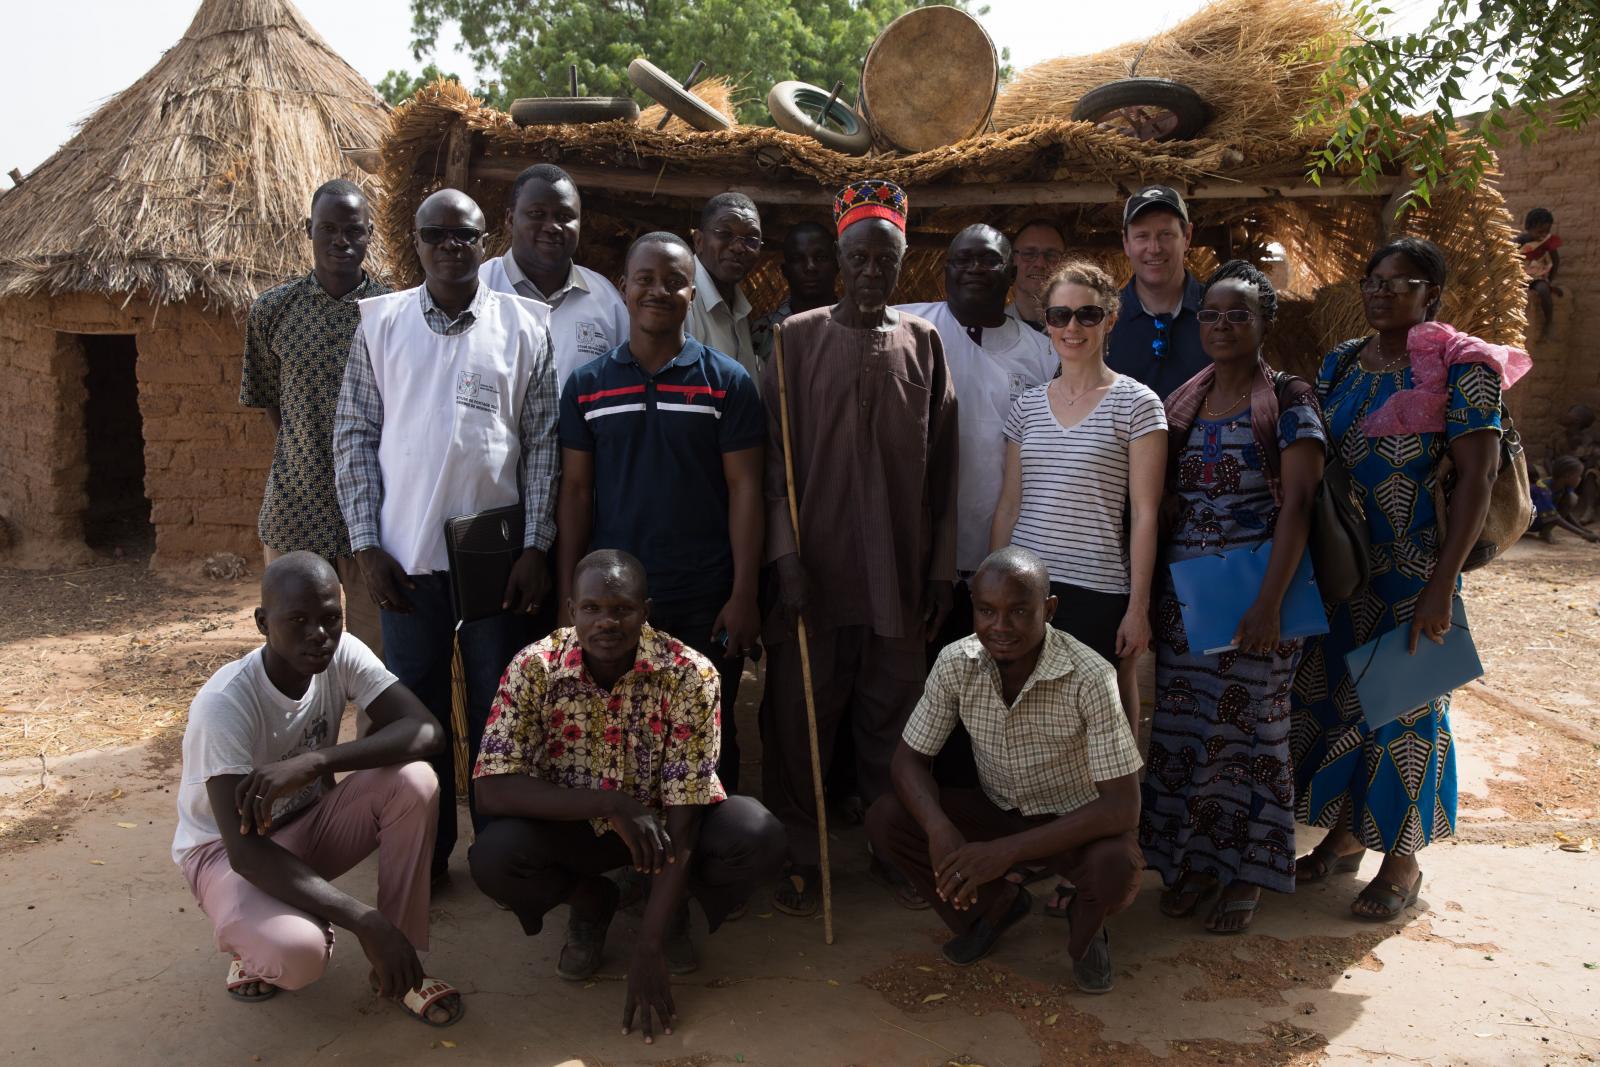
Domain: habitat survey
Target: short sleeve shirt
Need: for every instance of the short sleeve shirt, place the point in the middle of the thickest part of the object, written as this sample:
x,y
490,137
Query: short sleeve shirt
x,y
297,339
1043,754
656,735
658,443
239,721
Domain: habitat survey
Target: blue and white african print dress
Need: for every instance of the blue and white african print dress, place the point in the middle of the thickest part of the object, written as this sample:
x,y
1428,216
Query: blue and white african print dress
x,y
1401,778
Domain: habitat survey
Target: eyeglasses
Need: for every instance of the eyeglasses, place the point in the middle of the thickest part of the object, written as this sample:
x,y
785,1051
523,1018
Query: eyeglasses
x,y
1395,286
749,244
982,260
1049,255
1088,315
437,235
1158,343
1238,316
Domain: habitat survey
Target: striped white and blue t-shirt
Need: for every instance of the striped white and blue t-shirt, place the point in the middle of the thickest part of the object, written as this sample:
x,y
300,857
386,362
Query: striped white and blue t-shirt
x,y
1075,482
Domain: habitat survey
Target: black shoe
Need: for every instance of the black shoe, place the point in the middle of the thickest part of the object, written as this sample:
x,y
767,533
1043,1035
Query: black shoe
x,y
981,937
681,956
586,938
1093,972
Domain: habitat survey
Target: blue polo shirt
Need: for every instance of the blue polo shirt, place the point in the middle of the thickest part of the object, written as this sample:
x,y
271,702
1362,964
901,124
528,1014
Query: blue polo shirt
x,y
1133,349
658,442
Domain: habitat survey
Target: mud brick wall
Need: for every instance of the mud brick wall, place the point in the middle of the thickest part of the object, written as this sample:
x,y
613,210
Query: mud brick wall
x,y
206,458
1559,171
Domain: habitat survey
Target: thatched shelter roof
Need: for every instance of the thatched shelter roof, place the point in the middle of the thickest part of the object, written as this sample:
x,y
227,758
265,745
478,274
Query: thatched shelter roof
x,y
1244,176
192,182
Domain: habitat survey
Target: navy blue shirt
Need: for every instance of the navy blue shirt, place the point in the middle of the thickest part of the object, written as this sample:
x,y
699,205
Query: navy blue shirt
x,y
658,442
1133,341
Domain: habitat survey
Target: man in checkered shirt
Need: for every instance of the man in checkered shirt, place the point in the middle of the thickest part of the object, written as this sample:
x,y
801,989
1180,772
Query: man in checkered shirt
x,y
1058,768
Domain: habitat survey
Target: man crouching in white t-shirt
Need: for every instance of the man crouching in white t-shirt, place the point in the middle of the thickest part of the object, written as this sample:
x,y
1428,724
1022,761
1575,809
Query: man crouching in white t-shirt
x,y
262,828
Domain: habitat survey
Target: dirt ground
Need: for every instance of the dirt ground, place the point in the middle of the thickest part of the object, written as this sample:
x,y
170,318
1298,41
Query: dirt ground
x,y
104,948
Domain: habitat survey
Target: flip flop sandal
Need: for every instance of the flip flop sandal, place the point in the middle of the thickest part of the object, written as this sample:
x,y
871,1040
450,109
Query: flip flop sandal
x,y
905,894
1321,869
1229,908
417,1001
1394,897
1059,906
801,901
1198,892
237,980
1024,875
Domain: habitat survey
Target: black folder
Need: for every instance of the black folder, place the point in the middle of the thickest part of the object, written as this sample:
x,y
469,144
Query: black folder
x,y
481,549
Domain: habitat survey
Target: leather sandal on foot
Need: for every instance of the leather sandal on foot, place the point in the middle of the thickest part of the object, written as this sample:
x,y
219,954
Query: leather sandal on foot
x,y
905,894
1233,907
1059,904
803,900
1185,898
237,980
1393,897
1314,867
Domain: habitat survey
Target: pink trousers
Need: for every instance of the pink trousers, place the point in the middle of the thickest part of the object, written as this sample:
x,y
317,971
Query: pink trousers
x,y
391,810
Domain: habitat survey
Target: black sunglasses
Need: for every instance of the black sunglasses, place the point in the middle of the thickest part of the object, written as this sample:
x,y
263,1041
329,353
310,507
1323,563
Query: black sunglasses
x,y
436,235
1237,316
1395,286
1088,315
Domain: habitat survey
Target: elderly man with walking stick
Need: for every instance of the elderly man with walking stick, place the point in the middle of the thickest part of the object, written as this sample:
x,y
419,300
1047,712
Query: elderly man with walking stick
x,y
861,492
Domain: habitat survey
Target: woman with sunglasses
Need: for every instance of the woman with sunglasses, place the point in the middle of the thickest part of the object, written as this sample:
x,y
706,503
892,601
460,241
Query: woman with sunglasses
x,y
1082,481
1398,402
1217,814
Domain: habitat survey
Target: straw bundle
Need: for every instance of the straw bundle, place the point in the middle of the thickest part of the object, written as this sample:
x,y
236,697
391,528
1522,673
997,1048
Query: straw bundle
x,y
194,181
1251,60
718,93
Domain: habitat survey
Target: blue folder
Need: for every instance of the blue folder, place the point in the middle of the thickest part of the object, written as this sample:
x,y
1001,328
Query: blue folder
x,y
1391,682
1215,591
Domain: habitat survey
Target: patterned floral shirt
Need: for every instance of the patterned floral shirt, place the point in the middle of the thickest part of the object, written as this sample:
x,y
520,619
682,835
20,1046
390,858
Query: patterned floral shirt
x,y
296,343
656,735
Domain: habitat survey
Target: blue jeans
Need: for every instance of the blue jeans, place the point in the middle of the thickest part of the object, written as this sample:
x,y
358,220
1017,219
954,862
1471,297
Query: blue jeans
x,y
417,649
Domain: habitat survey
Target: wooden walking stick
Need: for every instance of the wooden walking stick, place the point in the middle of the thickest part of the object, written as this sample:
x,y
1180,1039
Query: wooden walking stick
x,y
805,650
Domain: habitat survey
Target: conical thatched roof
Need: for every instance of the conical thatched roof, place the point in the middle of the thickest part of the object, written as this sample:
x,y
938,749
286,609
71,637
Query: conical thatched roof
x,y
192,183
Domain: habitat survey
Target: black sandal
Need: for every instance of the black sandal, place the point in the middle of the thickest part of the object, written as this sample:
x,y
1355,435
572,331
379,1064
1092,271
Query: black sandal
x,y
1059,904
1197,887
803,900
1393,897
1314,867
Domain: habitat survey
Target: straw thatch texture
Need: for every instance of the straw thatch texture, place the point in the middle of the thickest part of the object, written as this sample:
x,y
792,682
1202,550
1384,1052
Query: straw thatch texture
x,y
718,93
193,182
1255,62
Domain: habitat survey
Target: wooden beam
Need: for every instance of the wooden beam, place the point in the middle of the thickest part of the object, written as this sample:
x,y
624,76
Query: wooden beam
x,y
458,157
985,194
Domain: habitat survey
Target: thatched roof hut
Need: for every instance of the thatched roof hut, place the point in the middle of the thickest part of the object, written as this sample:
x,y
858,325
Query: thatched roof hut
x,y
1244,176
127,262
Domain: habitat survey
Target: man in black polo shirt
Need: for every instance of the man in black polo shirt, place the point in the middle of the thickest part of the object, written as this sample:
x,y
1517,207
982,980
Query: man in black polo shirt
x,y
1157,338
662,457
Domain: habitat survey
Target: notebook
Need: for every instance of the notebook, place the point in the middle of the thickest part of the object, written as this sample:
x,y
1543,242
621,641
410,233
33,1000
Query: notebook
x,y
481,550
1391,682
1215,591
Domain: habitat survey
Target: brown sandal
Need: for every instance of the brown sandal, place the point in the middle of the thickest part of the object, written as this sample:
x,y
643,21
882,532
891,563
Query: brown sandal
x,y
1393,897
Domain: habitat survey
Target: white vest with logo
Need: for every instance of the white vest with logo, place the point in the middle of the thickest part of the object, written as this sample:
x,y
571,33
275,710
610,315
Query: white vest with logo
x,y
451,410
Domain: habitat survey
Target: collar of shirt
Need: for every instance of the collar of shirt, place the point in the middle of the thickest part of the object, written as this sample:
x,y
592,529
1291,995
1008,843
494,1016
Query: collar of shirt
x,y
362,290
705,284
687,356
520,281
1055,661
999,337
439,320
1194,293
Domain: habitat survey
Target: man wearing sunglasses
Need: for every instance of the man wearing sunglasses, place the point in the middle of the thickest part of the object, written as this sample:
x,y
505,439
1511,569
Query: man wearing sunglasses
x,y
727,247
1157,338
1037,251
448,409
993,359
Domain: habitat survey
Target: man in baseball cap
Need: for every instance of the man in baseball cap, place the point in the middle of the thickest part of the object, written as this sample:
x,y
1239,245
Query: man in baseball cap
x,y
1157,338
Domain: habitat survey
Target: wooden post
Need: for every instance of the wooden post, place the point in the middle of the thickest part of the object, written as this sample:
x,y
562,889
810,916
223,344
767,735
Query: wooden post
x,y
458,156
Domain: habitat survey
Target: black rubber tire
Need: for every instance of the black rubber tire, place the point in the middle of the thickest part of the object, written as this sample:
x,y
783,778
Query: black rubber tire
x,y
1191,111
559,110
794,106
660,87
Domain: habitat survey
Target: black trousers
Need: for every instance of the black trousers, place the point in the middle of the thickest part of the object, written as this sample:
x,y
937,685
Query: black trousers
x,y
532,865
690,622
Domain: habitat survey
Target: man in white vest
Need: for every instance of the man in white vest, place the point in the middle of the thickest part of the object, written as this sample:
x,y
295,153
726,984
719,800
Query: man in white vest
x,y
448,408
587,316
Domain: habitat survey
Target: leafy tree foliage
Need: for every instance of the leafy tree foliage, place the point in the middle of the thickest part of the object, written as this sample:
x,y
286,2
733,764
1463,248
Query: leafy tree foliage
x,y
1531,52
524,47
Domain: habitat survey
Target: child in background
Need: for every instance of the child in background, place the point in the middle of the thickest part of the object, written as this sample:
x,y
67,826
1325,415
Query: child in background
x,y
1541,260
1554,499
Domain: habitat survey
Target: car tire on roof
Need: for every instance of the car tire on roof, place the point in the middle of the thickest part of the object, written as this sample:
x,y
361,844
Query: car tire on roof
x,y
794,106
559,110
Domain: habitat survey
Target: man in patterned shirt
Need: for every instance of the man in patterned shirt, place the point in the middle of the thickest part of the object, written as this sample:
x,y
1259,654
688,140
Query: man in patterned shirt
x,y
602,752
448,408
1058,767
296,343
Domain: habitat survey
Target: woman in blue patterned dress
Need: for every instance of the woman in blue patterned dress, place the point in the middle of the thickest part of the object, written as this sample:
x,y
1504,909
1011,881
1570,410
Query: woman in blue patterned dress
x,y
1218,803
1393,789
